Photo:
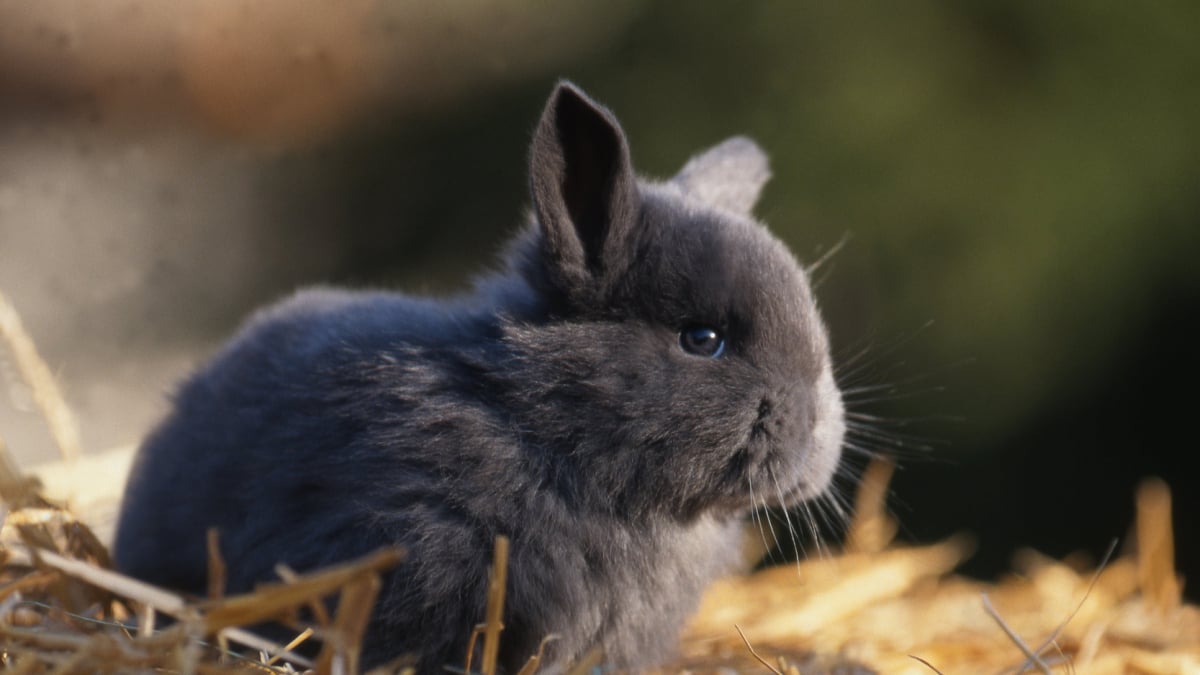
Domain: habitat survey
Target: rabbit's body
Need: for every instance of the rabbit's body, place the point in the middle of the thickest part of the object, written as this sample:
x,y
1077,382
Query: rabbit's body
x,y
429,470
575,402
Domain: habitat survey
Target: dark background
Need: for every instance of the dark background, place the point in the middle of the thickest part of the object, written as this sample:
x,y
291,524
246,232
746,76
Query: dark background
x,y
1017,182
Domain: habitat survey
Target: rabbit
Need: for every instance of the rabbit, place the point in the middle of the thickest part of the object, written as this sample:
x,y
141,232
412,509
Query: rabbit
x,y
646,366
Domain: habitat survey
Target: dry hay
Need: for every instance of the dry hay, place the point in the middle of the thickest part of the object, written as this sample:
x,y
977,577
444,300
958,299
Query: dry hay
x,y
894,609
873,607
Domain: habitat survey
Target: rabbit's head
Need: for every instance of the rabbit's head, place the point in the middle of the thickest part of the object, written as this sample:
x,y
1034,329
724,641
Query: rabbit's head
x,y
679,364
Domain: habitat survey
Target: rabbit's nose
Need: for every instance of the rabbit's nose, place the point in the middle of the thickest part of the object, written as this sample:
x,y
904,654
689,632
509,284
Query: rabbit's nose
x,y
763,422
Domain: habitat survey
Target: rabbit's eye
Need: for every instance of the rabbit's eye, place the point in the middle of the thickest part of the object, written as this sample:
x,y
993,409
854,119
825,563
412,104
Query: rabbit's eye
x,y
702,341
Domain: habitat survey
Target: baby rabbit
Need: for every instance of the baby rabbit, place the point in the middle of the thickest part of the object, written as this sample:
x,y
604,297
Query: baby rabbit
x,y
648,357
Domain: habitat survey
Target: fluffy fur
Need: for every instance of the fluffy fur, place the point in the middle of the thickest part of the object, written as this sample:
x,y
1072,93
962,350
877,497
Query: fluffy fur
x,y
554,405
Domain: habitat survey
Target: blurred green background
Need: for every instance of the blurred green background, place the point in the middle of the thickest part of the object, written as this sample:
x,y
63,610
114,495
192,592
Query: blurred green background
x,y
1017,183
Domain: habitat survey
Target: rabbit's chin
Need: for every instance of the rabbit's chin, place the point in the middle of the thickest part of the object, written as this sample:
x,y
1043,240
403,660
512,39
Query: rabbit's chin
x,y
806,488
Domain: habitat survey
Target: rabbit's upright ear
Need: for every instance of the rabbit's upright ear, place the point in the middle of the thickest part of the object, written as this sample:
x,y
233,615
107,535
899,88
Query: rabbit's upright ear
x,y
729,175
584,188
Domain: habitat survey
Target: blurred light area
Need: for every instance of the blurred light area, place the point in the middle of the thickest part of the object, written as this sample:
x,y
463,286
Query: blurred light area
x,y
285,71
156,173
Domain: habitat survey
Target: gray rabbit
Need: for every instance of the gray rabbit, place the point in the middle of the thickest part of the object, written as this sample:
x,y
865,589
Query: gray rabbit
x,y
648,357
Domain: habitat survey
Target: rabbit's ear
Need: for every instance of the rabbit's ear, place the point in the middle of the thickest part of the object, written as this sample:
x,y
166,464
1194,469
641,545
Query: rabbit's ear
x,y
583,185
729,175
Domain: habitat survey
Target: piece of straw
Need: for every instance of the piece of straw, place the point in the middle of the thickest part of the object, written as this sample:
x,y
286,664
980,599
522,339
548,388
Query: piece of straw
x,y
495,606
1156,546
872,529
46,394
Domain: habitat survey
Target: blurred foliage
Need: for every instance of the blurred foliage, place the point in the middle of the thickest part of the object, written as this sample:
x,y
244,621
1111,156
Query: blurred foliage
x,y
1022,175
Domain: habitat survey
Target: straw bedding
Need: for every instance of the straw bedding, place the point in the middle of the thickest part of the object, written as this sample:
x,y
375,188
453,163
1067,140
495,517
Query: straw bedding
x,y
871,607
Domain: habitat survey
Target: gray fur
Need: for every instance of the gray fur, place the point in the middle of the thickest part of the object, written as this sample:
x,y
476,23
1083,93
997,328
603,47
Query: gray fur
x,y
553,405
729,176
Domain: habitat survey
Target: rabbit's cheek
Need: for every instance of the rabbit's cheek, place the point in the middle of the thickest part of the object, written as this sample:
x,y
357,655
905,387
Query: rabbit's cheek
x,y
825,448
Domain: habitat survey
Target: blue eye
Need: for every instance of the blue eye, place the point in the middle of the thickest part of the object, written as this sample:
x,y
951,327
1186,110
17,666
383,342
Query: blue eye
x,y
702,341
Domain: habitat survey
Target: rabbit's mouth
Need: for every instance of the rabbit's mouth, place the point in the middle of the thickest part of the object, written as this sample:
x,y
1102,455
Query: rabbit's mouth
x,y
777,482
799,453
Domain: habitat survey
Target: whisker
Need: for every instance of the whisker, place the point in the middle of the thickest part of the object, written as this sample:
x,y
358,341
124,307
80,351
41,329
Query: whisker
x,y
837,497
771,527
891,438
883,420
825,517
861,450
816,266
846,379
854,364
839,503
878,352
812,523
787,518
866,367
868,388
754,515
894,394
833,250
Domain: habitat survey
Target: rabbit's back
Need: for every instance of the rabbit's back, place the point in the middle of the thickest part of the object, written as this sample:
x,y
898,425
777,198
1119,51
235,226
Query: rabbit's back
x,y
274,433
